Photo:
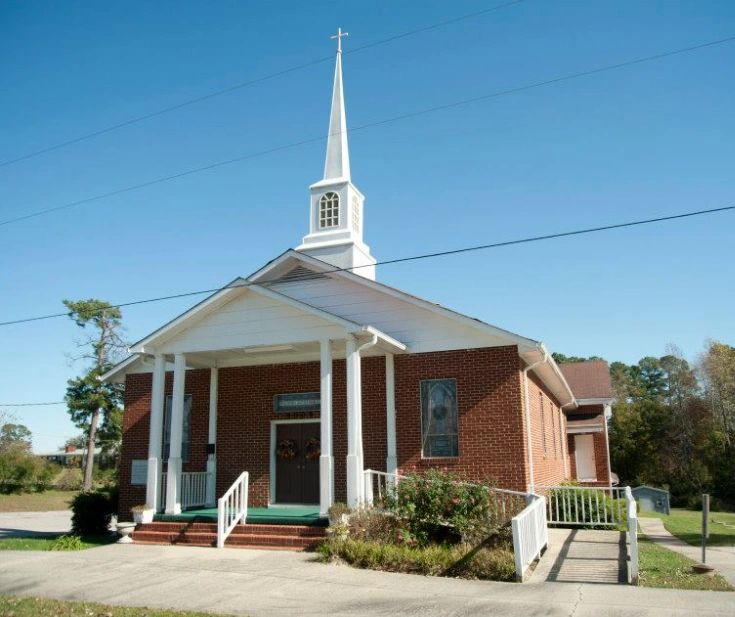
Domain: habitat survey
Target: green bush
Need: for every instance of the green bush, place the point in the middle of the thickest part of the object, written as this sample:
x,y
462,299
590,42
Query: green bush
x,y
66,543
487,562
21,472
441,507
91,513
69,479
104,478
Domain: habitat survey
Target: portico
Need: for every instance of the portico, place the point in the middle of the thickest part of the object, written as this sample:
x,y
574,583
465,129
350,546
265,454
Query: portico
x,y
340,339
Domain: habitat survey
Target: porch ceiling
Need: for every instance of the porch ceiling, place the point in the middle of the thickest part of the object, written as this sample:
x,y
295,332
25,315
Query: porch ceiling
x,y
279,354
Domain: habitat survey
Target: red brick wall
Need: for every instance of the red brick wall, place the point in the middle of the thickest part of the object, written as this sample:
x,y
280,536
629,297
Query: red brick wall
x,y
136,422
548,462
491,442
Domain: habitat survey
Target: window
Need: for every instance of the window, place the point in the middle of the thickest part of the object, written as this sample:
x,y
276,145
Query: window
x,y
439,435
186,432
553,428
561,432
329,210
543,422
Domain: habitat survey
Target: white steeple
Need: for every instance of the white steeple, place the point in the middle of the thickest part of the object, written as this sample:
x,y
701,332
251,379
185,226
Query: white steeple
x,y
336,221
337,163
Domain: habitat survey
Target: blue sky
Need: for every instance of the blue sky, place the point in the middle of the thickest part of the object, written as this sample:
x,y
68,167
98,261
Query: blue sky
x,y
643,141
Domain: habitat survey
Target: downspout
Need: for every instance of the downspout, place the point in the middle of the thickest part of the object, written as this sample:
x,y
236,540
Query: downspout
x,y
527,416
371,343
607,409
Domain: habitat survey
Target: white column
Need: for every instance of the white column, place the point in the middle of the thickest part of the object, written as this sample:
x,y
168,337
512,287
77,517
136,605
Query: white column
x,y
354,425
391,461
212,440
155,433
326,460
173,479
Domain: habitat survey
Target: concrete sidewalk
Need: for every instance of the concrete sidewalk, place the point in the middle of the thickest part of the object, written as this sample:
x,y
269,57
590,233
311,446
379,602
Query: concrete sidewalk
x,y
271,583
722,558
24,524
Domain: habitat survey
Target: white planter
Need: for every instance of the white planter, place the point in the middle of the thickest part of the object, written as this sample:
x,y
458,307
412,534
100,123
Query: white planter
x,y
143,516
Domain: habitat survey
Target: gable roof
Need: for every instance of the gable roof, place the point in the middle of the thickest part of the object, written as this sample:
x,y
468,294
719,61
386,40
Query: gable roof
x,y
588,380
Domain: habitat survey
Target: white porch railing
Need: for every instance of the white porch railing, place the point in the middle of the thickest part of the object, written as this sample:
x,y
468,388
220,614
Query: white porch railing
x,y
585,505
632,537
232,507
193,486
530,534
378,484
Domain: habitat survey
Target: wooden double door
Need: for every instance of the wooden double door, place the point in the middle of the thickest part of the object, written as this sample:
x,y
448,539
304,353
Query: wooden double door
x,y
297,454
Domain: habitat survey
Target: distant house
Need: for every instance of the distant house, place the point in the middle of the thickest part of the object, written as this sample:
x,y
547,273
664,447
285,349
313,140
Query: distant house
x,y
71,456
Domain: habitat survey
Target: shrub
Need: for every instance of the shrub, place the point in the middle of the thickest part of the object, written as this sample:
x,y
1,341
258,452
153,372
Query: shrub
x,y
336,511
69,479
66,542
442,507
104,478
23,472
490,563
91,513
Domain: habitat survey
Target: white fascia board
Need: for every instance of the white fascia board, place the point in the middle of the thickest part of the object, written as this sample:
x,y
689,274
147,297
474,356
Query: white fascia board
x,y
524,344
595,401
392,345
120,369
550,375
198,310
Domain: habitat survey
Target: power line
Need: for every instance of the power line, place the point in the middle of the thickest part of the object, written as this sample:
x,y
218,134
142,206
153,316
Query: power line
x,y
32,404
458,251
406,116
251,82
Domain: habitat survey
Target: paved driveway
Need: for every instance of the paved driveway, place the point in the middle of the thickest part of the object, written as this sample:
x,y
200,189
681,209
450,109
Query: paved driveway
x,y
14,524
273,583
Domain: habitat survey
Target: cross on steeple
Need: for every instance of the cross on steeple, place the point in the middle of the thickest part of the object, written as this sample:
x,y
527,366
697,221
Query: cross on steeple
x,y
339,36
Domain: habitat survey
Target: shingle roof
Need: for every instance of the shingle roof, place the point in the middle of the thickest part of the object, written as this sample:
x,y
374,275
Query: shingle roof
x,y
588,379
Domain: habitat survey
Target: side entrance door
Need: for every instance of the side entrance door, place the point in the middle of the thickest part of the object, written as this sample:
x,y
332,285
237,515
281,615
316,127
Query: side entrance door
x,y
584,457
297,463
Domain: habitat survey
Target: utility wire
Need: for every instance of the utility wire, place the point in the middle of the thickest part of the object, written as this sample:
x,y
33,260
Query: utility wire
x,y
251,82
31,404
414,114
480,247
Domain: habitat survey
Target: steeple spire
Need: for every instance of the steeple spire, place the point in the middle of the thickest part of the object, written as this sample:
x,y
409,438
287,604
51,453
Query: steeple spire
x,y
337,164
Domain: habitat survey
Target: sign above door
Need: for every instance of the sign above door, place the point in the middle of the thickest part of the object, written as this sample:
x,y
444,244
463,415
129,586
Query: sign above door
x,y
297,402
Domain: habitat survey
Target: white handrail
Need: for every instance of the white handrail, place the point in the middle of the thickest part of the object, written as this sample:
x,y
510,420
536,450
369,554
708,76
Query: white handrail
x,y
530,534
632,536
232,507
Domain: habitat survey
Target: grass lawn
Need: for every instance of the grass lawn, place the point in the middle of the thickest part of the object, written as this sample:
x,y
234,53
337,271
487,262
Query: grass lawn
x,y
52,543
660,567
38,607
36,502
687,525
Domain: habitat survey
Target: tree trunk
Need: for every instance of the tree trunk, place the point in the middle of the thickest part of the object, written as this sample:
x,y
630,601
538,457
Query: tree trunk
x,y
89,463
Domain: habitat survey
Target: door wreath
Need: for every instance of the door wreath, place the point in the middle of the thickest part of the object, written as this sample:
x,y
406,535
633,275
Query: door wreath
x,y
286,449
313,449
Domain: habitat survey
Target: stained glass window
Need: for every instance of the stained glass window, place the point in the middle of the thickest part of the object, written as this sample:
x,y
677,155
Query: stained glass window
x,y
439,422
186,433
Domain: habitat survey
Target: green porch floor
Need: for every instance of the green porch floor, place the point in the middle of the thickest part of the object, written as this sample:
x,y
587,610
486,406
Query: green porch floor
x,y
294,515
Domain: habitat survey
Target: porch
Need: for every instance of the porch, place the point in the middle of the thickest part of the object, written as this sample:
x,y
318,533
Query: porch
x,y
293,515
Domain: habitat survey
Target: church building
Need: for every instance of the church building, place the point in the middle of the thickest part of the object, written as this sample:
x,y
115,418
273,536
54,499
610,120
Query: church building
x,y
310,371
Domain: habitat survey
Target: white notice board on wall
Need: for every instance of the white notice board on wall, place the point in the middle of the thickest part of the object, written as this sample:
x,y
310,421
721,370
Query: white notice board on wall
x,y
139,472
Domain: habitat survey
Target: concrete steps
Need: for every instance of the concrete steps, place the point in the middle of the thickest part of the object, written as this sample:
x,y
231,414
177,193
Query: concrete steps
x,y
272,537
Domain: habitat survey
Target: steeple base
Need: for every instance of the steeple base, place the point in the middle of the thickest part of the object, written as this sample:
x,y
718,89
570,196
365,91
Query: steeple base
x,y
348,255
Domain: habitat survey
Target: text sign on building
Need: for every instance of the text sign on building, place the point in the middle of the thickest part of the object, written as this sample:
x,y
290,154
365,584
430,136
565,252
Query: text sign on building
x,y
139,472
297,402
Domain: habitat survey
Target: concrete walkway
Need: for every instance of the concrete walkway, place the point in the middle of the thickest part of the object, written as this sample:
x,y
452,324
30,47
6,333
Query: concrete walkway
x,y
19,524
583,556
722,558
271,583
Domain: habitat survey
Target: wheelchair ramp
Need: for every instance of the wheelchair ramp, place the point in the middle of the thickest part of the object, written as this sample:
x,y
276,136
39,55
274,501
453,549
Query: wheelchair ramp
x,y
583,556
